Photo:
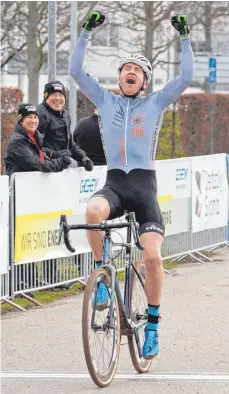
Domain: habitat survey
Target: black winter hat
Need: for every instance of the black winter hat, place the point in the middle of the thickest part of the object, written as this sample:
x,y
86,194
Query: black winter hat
x,y
54,87
25,110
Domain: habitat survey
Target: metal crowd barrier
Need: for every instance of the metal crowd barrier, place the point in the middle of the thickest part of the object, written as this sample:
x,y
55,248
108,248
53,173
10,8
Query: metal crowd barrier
x,y
65,271
5,285
23,279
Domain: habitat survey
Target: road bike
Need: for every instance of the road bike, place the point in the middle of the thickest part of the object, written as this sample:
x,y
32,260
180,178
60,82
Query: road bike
x,y
125,312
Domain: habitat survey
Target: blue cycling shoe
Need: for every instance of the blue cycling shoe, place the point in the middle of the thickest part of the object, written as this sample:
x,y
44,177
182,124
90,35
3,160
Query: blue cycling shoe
x,y
100,298
151,345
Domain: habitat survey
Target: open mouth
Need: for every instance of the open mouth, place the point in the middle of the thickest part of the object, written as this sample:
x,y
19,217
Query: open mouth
x,y
131,79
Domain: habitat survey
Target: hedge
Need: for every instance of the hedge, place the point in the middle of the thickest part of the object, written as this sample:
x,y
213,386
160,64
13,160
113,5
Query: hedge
x,y
11,98
198,123
185,131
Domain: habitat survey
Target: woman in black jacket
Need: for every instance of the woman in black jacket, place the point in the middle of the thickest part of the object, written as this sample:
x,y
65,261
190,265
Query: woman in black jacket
x,y
24,151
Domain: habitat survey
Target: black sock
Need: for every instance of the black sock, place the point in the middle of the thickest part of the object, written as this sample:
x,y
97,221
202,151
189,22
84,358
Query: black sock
x,y
98,263
153,317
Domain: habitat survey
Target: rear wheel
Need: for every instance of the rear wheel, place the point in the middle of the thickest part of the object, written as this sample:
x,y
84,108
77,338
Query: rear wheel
x,y
101,342
139,317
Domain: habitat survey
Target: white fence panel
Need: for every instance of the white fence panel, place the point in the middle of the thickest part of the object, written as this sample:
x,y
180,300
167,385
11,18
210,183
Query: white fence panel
x,y
4,224
209,192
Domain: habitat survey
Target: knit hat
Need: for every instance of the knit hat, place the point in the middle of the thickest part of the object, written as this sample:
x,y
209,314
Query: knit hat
x,y
54,87
26,110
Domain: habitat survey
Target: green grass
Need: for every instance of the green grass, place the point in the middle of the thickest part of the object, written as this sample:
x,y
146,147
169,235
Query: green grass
x,y
169,264
48,296
42,296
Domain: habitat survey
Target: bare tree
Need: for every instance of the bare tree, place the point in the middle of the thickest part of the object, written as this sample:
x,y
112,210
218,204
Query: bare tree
x,y
24,34
32,53
208,15
144,27
13,29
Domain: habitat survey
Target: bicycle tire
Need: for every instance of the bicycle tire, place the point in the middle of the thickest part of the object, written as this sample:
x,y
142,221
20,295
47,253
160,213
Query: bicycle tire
x,y
100,379
140,364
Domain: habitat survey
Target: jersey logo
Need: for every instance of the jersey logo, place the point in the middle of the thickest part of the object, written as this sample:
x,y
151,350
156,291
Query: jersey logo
x,y
137,132
138,123
119,117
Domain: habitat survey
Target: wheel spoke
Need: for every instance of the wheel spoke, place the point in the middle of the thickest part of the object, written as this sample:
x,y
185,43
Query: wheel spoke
x,y
101,343
138,312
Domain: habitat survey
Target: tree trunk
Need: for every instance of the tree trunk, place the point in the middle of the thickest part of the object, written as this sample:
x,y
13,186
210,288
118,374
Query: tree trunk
x,y
173,136
208,26
33,51
148,5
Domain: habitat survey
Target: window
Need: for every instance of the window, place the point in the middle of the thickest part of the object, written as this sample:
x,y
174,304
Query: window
x,y
201,46
158,81
106,37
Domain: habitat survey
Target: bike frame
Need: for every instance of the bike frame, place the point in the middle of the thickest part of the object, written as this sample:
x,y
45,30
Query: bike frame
x,y
124,303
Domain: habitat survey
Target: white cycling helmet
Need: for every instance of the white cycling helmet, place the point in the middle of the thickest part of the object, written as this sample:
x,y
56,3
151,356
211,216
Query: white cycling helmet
x,y
140,61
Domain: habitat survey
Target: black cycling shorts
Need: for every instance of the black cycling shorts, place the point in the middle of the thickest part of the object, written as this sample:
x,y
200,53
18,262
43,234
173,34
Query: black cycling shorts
x,y
134,192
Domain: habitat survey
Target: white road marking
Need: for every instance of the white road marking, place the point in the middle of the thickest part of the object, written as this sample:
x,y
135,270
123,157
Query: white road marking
x,y
168,376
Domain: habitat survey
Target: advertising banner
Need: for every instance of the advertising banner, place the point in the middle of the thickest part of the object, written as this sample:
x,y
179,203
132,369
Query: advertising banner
x,y
209,192
174,194
39,202
42,198
4,224
228,190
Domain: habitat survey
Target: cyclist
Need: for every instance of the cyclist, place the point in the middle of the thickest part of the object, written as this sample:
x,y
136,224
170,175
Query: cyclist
x,y
130,124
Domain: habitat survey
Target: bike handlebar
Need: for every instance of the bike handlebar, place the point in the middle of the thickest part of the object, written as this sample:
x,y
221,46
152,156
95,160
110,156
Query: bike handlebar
x,y
65,228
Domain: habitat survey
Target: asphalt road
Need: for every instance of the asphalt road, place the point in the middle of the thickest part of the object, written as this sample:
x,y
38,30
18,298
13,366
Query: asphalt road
x,y
42,348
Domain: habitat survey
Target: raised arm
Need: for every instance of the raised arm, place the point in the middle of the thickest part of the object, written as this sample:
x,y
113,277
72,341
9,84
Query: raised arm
x,y
86,83
173,89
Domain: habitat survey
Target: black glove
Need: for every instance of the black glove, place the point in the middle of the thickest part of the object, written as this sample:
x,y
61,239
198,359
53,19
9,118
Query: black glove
x,y
65,152
180,23
87,163
59,153
93,19
66,161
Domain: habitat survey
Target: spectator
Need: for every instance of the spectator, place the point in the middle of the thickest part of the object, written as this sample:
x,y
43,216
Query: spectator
x,y
55,124
87,136
24,151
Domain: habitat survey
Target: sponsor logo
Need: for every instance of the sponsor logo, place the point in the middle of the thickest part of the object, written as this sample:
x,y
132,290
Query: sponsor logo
x,y
138,132
199,198
88,185
155,137
57,87
181,174
167,216
31,108
209,186
181,178
137,121
118,117
154,228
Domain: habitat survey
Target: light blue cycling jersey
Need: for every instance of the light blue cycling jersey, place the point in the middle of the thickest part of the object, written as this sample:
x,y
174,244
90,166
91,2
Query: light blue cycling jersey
x,y
130,126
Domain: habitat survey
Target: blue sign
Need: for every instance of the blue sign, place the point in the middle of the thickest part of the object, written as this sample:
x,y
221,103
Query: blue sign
x,y
212,70
88,185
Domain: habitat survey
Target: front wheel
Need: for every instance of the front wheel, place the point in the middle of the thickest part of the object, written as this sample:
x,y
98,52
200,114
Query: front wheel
x,y
101,340
139,317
